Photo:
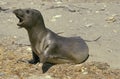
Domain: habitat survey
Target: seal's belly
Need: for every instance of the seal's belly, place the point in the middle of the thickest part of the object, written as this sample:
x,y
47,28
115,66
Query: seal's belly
x,y
59,60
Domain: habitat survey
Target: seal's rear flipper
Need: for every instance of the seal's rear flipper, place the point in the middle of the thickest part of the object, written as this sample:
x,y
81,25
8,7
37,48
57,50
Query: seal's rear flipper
x,y
46,66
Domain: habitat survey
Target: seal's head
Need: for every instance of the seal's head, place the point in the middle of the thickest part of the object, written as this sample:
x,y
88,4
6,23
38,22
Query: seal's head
x,y
28,17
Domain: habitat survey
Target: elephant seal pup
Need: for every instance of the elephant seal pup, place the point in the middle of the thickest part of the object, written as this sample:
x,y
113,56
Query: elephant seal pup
x,y
46,45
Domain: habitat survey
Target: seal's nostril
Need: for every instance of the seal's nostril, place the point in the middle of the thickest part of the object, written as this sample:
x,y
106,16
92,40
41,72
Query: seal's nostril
x,y
14,11
17,10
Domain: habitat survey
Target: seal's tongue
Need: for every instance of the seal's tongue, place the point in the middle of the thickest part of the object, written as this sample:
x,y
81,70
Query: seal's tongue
x,y
20,15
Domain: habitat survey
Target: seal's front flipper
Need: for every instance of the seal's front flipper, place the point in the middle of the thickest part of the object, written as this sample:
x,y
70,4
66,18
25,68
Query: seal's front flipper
x,y
35,59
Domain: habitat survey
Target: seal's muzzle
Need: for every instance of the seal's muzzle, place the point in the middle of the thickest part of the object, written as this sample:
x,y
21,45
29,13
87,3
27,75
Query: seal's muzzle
x,y
20,15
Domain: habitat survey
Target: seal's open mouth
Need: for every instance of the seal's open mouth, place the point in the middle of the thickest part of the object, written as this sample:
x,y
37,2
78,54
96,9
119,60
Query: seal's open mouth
x,y
20,15
20,20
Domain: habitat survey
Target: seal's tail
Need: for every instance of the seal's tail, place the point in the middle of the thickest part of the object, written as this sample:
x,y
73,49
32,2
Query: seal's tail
x,y
85,59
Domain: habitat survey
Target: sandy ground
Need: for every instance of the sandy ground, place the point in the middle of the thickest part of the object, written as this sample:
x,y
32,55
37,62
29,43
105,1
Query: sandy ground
x,y
14,65
86,18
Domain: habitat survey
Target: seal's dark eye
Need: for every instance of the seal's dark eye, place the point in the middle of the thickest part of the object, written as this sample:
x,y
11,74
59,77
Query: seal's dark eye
x,y
27,11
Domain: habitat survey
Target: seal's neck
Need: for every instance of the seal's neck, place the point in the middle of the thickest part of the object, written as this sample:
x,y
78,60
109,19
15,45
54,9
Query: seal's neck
x,y
37,32
37,28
